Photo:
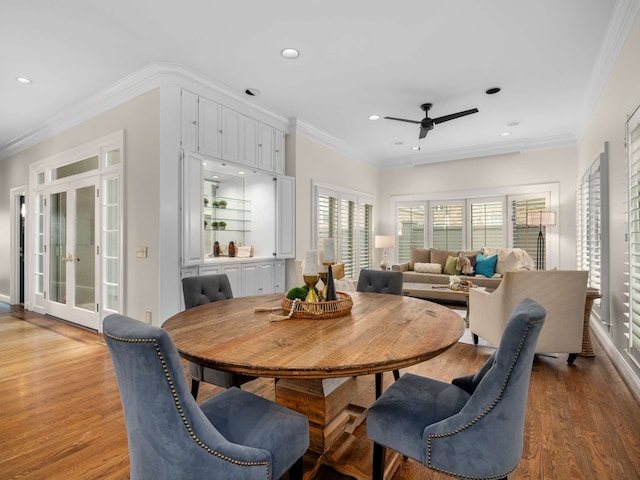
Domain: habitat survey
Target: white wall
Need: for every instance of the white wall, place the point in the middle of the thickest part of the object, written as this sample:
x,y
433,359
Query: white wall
x,y
139,118
501,171
619,98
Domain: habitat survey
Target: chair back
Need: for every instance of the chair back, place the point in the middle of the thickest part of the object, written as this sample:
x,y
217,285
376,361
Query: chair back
x,y
169,435
488,433
380,281
205,289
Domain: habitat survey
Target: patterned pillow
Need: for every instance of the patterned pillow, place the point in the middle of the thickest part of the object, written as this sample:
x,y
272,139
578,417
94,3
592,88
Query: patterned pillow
x,y
427,267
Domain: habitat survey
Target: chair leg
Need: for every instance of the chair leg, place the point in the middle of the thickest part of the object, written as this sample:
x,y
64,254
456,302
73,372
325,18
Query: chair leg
x,y
396,374
378,461
195,385
378,385
572,358
295,472
475,339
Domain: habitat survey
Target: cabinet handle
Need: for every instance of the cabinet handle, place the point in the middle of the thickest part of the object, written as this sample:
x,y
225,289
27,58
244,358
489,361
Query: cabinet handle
x,y
259,144
195,122
219,131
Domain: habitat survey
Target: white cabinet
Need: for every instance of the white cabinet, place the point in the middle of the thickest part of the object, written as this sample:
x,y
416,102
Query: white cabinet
x,y
189,122
250,279
249,141
285,217
234,272
279,149
209,128
279,276
230,135
266,278
265,147
192,209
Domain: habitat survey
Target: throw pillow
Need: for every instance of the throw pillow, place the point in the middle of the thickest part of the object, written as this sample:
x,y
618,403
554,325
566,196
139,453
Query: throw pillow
x,y
466,264
427,267
450,267
440,256
510,262
486,265
419,255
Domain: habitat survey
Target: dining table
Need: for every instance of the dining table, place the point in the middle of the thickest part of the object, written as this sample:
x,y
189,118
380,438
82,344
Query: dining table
x,y
316,361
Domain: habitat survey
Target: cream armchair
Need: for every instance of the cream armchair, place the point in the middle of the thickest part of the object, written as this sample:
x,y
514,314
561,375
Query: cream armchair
x,y
561,292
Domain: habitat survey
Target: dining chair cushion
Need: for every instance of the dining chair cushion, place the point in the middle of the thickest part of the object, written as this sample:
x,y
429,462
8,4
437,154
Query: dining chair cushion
x,y
380,281
200,290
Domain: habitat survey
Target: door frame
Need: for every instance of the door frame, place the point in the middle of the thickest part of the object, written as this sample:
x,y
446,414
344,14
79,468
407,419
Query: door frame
x,y
14,274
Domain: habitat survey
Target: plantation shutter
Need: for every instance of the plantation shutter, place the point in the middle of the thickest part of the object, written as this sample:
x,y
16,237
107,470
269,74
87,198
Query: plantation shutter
x,y
327,217
633,149
446,223
365,227
522,235
487,225
410,230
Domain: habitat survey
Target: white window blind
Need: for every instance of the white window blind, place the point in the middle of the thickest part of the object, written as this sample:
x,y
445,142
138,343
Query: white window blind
x,y
522,235
487,225
410,230
447,226
591,228
633,153
348,218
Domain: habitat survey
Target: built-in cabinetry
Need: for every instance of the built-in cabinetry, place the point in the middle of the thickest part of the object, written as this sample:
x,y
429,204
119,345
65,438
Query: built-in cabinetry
x,y
223,201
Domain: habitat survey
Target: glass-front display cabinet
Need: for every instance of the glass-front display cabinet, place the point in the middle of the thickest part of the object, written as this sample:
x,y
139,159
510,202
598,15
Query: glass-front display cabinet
x,y
226,219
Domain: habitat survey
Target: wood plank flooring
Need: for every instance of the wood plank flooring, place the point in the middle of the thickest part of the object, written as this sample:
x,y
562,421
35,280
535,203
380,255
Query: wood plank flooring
x,y
61,415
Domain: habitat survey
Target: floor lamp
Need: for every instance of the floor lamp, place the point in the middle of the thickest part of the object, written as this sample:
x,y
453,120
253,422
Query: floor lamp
x,y
384,242
541,219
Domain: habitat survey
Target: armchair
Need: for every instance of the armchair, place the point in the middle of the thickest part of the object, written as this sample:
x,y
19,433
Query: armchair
x,y
561,292
234,435
472,428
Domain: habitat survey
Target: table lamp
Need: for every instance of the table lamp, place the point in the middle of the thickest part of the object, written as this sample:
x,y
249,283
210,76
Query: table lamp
x,y
384,242
541,219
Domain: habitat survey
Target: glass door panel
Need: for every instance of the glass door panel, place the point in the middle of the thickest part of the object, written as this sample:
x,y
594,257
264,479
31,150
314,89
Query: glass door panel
x,y
85,248
58,257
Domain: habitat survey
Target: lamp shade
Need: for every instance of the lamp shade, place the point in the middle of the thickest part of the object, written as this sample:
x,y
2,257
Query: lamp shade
x,y
541,219
385,241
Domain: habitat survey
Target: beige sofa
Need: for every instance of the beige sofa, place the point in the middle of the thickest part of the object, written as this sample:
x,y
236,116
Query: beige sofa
x,y
561,292
423,263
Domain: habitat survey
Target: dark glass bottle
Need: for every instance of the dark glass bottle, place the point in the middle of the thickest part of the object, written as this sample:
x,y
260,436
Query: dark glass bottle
x,y
216,249
331,286
232,249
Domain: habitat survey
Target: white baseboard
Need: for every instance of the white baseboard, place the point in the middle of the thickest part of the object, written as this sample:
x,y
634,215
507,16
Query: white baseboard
x,y
620,362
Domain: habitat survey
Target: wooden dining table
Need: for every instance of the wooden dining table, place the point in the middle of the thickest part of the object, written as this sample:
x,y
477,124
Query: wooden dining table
x,y
315,361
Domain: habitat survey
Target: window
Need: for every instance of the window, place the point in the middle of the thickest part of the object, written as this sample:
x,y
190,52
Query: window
x,y
346,216
447,226
410,230
487,224
522,235
633,154
591,225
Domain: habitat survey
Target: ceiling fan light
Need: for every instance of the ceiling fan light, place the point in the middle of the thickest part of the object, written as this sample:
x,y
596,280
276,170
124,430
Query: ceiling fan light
x,y
23,80
374,117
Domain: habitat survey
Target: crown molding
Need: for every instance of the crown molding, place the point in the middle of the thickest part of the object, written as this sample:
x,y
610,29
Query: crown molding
x,y
149,77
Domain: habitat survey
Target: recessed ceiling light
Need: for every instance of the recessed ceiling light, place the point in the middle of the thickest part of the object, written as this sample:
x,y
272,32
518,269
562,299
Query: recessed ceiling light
x,y
374,117
241,173
492,91
505,134
23,80
415,148
252,92
290,53
204,163
215,176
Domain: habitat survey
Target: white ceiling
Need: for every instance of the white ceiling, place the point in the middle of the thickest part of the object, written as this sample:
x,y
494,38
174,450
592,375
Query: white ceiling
x,y
358,57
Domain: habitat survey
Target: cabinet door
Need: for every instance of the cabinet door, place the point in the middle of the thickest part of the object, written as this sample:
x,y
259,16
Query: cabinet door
x,y
279,151
235,278
265,148
209,128
248,141
192,205
285,217
189,122
279,277
250,279
266,280
230,135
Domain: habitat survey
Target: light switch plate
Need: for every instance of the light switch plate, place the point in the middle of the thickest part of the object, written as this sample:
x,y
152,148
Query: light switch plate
x,y
141,252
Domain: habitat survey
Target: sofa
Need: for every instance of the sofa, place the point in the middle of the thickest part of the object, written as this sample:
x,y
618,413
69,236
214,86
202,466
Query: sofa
x,y
484,267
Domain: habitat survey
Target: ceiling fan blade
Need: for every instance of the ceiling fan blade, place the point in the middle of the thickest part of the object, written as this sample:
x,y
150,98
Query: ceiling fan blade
x,y
453,116
423,132
403,120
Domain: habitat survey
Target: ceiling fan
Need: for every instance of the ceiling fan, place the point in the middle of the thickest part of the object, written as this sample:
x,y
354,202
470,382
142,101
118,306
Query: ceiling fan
x,y
427,123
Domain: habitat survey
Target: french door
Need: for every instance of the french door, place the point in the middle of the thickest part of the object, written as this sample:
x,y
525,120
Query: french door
x,y
72,259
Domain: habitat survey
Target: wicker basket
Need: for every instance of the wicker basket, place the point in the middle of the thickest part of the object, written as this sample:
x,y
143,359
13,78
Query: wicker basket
x,y
321,310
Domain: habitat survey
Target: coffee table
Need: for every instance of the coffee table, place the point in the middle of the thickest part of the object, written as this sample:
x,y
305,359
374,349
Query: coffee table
x,y
437,292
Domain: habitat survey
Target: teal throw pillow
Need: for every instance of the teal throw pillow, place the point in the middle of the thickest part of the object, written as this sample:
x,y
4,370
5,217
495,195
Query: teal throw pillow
x,y
486,265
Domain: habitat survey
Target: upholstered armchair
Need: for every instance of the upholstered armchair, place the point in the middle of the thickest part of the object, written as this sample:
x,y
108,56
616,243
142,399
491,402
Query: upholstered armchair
x,y
561,292
234,435
471,428
201,290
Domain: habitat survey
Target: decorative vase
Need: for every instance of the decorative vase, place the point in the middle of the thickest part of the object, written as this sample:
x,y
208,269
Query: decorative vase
x,y
331,286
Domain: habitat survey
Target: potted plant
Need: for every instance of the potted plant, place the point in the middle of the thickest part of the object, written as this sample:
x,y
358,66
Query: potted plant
x,y
206,202
215,204
206,224
222,203
215,225
222,225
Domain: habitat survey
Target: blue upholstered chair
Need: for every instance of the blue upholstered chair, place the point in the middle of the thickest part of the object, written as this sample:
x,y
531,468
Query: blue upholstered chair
x,y
234,435
200,291
380,281
472,428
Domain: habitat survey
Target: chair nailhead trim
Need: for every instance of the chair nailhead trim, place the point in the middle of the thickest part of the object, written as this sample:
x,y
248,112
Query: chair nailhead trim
x,y
479,417
178,405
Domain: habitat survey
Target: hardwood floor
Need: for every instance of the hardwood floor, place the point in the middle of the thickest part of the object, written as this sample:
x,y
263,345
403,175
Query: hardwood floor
x,y
62,418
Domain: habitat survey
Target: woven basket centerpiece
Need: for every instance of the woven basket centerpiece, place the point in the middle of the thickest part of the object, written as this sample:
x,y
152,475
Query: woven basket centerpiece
x,y
318,310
